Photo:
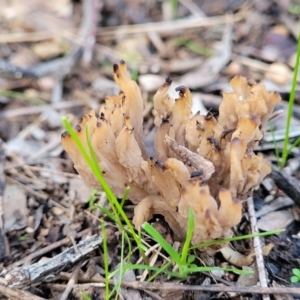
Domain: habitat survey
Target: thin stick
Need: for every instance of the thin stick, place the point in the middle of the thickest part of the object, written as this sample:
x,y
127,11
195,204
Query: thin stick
x,y
17,294
3,242
171,26
257,247
184,287
72,281
28,189
38,109
18,37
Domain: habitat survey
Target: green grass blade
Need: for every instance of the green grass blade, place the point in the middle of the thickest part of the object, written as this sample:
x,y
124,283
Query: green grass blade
x,y
22,96
106,263
159,239
159,271
85,296
97,172
296,143
150,268
125,195
209,269
106,212
117,286
189,235
285,152
236,238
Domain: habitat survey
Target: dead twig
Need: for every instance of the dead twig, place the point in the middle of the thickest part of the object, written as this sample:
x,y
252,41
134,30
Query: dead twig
x,y
257,247
192,159
91,19
71,283
24,111
174,26
17,294
96,281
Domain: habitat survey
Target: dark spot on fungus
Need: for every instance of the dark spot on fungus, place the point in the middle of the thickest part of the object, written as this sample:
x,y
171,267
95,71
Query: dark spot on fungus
x,y
196,174
226,132
65,134
116,67
200,126
214,142
181,89
169,80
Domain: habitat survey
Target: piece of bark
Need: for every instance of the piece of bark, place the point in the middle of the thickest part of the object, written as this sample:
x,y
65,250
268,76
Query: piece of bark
x,y
289,185
48,270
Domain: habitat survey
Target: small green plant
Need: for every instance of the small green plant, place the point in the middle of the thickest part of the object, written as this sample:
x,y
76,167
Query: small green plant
x,y
22,96
23,237
92,198
194,47
174,7
296,277
286,149
294,9
85,296
183,260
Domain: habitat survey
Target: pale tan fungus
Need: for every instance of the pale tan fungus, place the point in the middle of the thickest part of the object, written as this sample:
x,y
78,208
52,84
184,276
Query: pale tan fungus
x,y
204,163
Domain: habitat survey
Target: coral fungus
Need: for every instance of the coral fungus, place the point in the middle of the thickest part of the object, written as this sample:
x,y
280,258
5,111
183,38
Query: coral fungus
x,y
202,162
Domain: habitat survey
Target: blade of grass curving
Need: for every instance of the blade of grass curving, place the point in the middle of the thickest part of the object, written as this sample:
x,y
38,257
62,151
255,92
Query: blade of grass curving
x,y
189,235
236,238
188,270
96,171
285,151
271,127
160,240
208,269
151,268
115,206
296,143
85,296
106,212
110,195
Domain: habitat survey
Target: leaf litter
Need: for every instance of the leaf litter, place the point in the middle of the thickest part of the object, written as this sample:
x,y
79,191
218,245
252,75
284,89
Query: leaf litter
x,y
46,203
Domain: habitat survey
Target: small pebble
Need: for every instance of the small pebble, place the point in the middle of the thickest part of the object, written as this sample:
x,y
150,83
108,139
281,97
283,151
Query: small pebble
x,y
57,211
29,230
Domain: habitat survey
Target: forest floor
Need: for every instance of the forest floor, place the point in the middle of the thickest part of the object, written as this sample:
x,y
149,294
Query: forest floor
x,y
56,60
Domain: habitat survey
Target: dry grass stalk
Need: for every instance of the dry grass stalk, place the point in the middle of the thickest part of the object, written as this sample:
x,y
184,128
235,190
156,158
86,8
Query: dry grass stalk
x,y
202,163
